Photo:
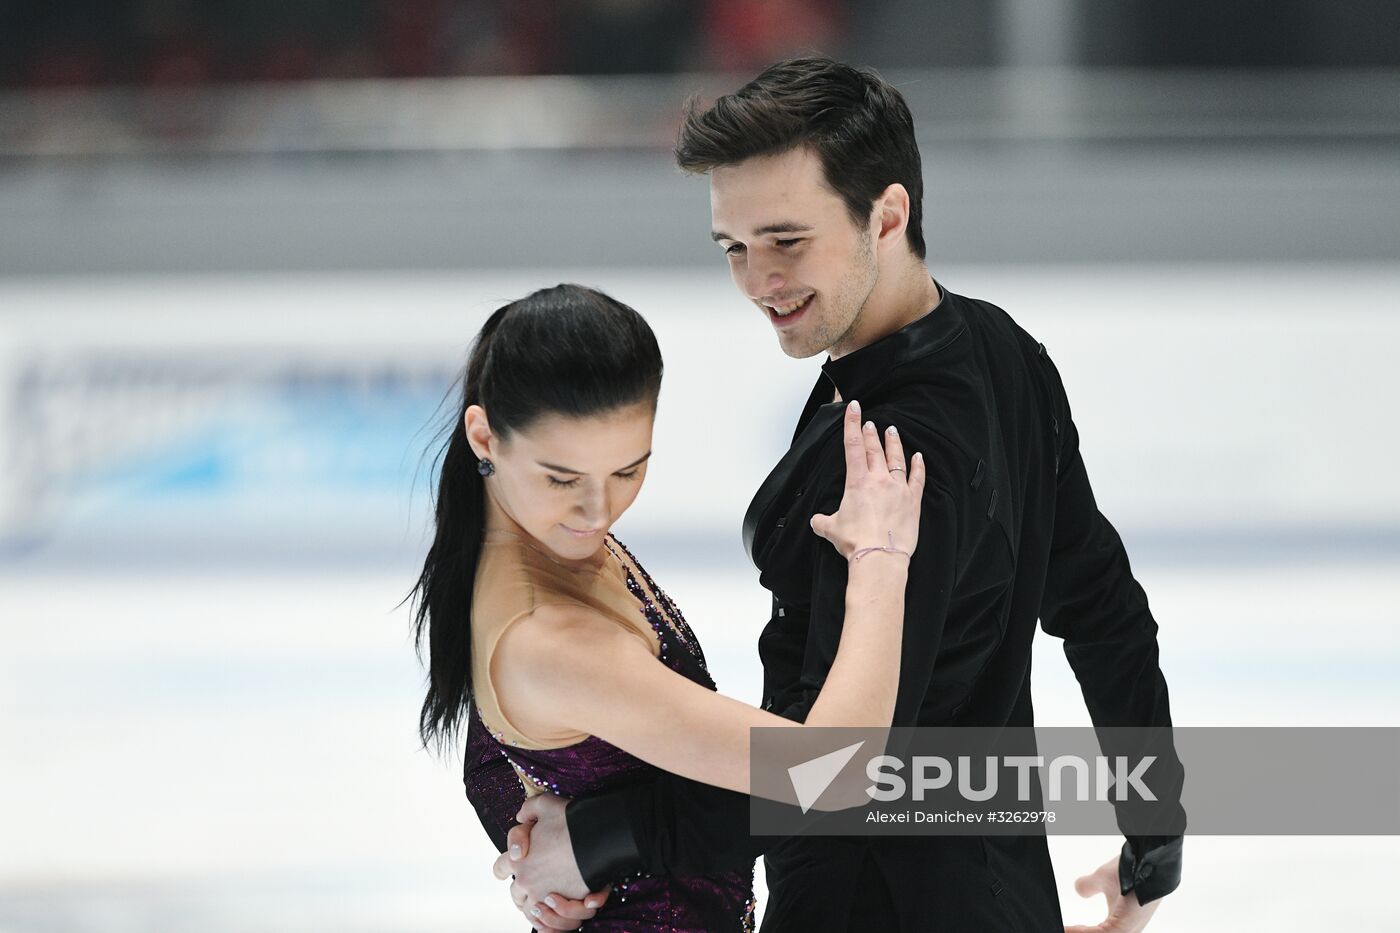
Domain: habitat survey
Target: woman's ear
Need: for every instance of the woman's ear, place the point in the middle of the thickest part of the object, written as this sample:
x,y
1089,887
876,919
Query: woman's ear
x,y
479,435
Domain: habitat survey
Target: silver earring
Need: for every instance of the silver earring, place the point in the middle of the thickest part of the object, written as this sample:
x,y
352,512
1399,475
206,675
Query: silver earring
x,y
485,467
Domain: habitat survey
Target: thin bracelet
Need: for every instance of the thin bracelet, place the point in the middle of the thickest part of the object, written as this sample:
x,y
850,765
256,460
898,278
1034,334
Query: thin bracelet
x,y
891,549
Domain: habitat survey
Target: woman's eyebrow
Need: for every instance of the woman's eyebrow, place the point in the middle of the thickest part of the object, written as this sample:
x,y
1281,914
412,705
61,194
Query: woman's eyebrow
x,y
561,469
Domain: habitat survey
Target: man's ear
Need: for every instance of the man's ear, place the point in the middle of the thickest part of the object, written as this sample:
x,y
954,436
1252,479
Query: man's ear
x,y
890,215
479,436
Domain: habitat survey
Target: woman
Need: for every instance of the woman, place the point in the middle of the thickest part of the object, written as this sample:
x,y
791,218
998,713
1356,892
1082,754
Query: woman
x,y
546,632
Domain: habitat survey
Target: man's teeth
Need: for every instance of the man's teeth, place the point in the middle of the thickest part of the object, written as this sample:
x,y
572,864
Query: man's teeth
x,y
785,310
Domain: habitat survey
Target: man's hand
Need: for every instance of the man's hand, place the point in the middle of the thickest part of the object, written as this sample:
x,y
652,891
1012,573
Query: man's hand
x,y
539,857
1125,914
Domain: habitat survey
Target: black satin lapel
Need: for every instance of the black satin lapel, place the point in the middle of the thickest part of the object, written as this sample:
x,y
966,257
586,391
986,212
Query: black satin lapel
x,y
822,421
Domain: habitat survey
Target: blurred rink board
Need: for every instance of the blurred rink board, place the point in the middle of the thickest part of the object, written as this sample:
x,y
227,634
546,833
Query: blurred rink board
x,y
136,453
286,419
237,420
214,502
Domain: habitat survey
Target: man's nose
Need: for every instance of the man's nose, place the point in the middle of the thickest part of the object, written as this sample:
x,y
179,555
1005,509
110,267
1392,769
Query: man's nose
x,y
762,279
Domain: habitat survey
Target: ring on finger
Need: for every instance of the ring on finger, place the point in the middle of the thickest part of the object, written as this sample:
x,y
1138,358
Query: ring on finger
x,y
898,470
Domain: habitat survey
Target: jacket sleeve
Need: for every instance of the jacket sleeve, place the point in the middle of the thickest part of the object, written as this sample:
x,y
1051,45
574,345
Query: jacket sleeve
x,y
1094,604
672,825
666,826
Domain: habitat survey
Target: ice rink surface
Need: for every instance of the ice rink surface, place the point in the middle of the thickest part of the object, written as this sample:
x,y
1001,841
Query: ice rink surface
x,y
208,706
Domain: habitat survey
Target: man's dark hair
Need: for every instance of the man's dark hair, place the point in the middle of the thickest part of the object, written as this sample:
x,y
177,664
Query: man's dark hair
x,y
858,125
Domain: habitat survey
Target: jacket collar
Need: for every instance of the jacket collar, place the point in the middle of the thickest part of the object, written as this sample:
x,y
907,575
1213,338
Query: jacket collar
x,y
858,372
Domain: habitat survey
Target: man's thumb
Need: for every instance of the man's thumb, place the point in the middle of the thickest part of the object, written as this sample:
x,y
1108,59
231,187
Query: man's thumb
x,y
820,524
1085,886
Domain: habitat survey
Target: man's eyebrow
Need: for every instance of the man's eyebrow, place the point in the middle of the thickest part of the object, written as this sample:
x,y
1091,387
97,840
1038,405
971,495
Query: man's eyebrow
x,y
786,226
560,469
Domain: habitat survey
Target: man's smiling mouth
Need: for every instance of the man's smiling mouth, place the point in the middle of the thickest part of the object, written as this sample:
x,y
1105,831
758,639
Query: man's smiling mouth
x,y
783,311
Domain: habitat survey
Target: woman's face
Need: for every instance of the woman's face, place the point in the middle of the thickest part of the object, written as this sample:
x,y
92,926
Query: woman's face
x,y
566,480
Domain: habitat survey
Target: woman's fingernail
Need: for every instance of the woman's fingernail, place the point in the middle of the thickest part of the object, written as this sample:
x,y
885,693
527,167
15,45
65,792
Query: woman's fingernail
x,y
590,904
515,851
893,430
550,901
870,426
534,911
855,406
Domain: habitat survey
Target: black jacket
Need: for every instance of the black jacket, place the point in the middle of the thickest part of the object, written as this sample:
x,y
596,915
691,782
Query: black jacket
x,y
1009,533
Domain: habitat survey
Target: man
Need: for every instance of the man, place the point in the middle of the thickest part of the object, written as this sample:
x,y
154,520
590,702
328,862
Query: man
x,y
816,194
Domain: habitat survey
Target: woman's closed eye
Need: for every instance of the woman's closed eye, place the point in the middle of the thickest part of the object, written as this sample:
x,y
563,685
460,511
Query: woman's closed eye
x,y
567,484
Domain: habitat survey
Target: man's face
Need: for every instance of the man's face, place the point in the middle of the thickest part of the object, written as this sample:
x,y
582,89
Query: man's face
x,y
792,248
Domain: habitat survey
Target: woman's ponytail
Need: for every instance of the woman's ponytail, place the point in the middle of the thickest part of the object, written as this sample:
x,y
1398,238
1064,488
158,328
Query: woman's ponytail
x,y
444,588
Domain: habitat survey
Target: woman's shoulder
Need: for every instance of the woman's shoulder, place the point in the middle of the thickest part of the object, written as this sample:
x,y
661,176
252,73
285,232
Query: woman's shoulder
x,y
553,657
559,632
545,605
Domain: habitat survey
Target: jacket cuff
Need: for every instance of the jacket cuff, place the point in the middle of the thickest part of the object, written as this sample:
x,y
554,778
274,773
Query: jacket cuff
x,y
601,835
1150,865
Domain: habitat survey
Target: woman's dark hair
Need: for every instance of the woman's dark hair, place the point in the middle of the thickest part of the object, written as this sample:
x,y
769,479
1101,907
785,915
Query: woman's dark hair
x,y
858,125
566,350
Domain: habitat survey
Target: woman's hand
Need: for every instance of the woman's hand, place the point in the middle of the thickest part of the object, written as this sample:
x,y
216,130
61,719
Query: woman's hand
x,y
1125,914
883,494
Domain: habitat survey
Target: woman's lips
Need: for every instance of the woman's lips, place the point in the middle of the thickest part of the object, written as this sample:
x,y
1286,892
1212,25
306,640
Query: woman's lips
x,y
580,534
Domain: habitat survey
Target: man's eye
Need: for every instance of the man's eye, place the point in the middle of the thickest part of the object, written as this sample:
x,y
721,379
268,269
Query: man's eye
x,y
562,484
733,249
788,243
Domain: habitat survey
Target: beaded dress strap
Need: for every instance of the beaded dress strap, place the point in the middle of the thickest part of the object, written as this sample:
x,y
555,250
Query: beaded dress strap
x,y
662,607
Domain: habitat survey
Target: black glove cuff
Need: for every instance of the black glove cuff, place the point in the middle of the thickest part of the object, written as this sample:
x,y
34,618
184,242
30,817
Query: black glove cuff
x,y
601,834
1152,868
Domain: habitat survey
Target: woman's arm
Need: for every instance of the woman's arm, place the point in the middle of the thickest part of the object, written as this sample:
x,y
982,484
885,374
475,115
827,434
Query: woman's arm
x,y
564,666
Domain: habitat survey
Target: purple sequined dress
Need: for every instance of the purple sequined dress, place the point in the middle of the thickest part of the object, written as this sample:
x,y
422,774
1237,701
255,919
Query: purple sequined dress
x,y
714,903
